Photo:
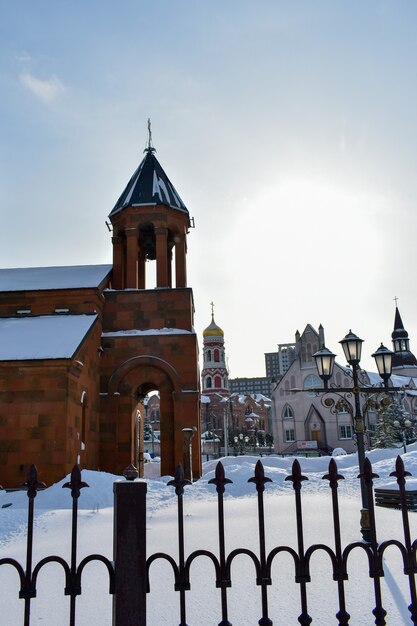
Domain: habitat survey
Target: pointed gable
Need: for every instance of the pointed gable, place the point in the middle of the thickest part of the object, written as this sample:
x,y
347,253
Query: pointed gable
x,y
149,186
309,344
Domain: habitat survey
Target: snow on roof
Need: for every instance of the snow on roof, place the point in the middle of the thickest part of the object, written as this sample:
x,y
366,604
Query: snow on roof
x,y
260,396
204,399
44,337
149,331
64,277
396,380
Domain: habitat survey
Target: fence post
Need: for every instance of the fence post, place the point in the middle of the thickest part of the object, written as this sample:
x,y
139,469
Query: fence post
x,y
187,457
129,554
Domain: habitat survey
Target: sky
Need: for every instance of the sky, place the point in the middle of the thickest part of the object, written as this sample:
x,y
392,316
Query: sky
x,y
289,129
95,521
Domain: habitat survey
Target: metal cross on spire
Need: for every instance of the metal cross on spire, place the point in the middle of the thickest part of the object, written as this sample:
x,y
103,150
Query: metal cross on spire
x,y
149,147
212,311
396,300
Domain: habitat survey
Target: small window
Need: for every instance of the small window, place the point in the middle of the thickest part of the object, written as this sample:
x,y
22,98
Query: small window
x,y
216,356
289,435
345,432
208,382
217,382
287,412
208,355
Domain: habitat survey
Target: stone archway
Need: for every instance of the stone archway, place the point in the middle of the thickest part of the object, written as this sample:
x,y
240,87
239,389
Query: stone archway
x,y
127,388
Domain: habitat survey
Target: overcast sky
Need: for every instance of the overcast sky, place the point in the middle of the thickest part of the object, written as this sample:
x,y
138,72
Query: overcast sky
x,y
289,129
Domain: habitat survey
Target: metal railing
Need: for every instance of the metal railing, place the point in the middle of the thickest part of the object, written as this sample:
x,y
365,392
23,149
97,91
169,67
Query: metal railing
x,y
129,573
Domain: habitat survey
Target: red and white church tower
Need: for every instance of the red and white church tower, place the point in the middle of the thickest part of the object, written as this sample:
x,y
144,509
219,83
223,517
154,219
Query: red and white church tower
x,y
214,374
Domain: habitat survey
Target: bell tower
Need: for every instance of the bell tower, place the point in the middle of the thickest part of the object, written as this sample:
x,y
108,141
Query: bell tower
x,y
150,222
214,375
148,340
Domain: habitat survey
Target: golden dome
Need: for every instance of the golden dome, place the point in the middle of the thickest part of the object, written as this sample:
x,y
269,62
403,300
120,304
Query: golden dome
x,y
213,330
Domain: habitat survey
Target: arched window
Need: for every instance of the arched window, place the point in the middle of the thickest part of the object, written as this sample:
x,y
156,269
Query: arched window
x,y
217,382
83,401
208,355
312,381
216,356
287,412
208,382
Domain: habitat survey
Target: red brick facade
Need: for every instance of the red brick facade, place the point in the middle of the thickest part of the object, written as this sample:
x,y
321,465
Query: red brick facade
x,y
88,408
48,406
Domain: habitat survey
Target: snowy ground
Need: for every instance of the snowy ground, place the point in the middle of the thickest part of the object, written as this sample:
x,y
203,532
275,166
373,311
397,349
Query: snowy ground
x,y
52,536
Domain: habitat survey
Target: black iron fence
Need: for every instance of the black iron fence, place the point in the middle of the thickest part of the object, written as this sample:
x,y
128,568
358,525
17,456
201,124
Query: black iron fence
x,y
128,573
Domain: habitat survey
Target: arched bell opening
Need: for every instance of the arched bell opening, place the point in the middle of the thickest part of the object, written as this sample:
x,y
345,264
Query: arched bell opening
x,y
147,257
149,254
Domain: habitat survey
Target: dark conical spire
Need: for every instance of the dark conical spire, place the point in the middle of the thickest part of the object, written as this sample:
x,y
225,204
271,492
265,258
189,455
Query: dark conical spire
x,y
402,357
149,186
399,330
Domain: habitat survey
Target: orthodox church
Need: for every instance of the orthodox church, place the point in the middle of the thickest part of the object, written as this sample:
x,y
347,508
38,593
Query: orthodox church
x,y
81,346
222,412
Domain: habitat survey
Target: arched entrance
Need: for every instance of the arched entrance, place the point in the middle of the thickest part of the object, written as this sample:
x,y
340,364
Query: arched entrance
x,y
315,428
127,388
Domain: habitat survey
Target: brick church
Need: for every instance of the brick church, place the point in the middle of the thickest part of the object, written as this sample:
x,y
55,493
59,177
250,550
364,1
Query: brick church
x,y
81,346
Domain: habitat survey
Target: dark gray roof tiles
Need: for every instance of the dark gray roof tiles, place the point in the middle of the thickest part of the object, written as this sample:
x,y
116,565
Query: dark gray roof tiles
x,y
149,185
399,330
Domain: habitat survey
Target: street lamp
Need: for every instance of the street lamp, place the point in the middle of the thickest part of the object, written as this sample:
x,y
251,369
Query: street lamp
x,y
241,441
352,348
383,359
324,363
407,425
